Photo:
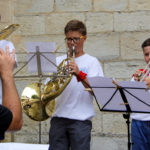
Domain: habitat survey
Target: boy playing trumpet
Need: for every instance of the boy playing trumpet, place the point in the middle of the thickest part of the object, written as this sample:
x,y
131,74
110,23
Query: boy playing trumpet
x,y
140,128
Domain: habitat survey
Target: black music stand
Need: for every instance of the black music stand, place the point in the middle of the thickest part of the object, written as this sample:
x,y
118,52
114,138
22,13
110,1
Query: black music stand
x,y
120,97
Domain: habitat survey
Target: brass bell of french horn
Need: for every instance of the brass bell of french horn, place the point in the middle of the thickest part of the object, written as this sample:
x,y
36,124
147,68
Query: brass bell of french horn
x,y
30,100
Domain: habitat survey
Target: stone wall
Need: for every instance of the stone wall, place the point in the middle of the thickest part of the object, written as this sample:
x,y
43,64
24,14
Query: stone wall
x,y
116,30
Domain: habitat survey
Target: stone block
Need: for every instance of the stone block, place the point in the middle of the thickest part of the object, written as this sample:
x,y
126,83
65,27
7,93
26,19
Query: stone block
x,y
30,138
131,44
113,5
75,5
97,123
134,21
3,25
30,24
99,22
32,6
55,23
135,5
108,143
48,124
5,11
114,123
7,138
31,127
122,69
96,108
103,46
16,40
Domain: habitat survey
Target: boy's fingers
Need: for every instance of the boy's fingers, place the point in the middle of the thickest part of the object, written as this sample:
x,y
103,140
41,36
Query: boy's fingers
x,y
136,75
136,79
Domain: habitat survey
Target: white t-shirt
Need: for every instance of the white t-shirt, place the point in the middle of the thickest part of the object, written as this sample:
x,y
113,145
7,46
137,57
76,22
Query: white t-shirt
x,y
74,102
3,44
140,116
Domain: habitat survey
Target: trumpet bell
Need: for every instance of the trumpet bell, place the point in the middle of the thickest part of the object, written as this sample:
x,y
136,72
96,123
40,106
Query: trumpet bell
x,y
30,101
145,72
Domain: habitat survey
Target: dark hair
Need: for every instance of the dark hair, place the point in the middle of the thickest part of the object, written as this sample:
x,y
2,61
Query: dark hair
x,y
75,25
146,43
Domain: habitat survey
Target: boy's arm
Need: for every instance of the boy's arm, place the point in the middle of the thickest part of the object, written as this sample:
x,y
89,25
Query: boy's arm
x,y
74,69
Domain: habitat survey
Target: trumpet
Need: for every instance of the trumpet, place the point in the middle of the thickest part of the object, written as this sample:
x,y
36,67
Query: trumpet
x,y
145,72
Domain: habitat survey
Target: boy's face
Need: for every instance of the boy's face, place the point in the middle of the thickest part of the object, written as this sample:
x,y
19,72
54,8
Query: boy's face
x,y
75,35
146,51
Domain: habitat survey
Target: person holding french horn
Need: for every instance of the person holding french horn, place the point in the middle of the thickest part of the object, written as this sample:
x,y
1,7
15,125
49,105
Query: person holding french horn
x,y
71,121
140,128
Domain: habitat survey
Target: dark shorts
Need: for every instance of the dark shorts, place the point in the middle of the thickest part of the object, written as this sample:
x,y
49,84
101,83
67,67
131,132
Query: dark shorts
x,y
65,133
140,133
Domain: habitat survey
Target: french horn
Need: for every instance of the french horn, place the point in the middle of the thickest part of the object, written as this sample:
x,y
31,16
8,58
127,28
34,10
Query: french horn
x,y
30,97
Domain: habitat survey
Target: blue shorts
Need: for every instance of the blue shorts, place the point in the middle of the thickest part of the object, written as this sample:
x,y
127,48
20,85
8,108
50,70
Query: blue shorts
x,y
140,134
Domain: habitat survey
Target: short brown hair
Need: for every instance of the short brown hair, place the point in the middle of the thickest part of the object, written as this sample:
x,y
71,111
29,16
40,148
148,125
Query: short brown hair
x,y
75,25
146,43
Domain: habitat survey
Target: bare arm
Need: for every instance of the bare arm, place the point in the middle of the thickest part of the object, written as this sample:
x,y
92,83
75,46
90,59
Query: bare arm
x,y
10,96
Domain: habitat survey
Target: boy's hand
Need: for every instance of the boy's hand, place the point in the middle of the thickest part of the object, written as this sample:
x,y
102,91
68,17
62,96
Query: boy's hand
x,y
74,68
137,75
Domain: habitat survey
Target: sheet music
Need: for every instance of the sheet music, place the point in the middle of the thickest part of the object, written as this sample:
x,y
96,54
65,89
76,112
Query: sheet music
x,y
101,81
46,66
106,91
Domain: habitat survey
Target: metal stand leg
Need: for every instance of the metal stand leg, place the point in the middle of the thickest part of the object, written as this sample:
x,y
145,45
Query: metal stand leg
x,y
127,116
40,112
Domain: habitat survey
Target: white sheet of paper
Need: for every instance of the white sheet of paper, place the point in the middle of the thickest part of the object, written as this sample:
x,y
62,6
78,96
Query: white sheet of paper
x,y
104,91
46,66
22,146
141,94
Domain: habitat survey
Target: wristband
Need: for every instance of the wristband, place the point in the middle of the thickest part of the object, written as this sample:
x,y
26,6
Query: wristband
x,y
81,76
